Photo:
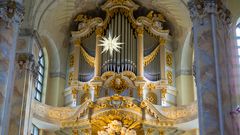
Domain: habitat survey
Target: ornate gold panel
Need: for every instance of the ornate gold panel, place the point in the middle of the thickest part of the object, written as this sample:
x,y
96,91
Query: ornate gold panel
x,y
152,97
128,120
151,86
169,59
170,77
70,77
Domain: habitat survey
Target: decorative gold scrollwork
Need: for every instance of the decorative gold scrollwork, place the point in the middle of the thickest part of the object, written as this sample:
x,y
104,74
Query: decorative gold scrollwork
x,y
163,93
169,59
170,77
70,77
89,59
152,97
118,84
151,86
149,58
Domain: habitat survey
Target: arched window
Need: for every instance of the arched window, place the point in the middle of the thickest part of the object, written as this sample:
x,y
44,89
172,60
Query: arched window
x,y
39,82
238,39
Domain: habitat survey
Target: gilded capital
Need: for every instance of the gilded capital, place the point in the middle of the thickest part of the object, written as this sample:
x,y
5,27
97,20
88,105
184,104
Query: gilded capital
x,y
77,42
99,31
162,41
86,87
140,30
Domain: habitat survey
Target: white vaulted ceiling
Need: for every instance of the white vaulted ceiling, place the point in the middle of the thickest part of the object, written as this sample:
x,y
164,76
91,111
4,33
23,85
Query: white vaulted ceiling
x,y
60,12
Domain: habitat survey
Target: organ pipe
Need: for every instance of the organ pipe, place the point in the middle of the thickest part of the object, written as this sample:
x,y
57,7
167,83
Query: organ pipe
x,y
126,59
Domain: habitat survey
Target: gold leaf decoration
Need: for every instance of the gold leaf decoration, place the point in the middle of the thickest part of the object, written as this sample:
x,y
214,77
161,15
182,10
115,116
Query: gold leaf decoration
x,y
152,97
169,59
170,77
149,58
89,59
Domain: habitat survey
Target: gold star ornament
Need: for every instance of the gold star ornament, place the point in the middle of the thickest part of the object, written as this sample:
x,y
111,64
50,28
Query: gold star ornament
x,y
110,44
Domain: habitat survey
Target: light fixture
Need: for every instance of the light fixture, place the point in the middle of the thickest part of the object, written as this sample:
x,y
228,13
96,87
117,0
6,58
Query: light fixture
x,y
110,44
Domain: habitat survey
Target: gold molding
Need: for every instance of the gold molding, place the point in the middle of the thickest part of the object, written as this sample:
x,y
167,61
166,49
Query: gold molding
x,y
99,31
149,58
152,22
169,59
68,117
140,30
89,59
151,86
170,77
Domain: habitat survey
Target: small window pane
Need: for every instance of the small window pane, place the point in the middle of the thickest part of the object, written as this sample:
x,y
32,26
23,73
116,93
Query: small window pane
x,y
39,84
39,87
41,61
40,78
238,42
38,96
41,70
238,31
40,53
35,131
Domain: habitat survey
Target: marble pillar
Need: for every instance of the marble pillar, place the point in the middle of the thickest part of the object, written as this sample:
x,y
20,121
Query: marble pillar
x,y
11,13
210,32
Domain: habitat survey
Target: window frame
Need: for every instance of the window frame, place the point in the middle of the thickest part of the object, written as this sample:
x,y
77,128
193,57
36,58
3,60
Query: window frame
x,y
40,77
238,41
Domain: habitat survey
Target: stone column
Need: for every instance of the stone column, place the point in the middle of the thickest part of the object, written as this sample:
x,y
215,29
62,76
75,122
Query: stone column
x,y
210,32
77,44
98,56
11,13
23,94
140,52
